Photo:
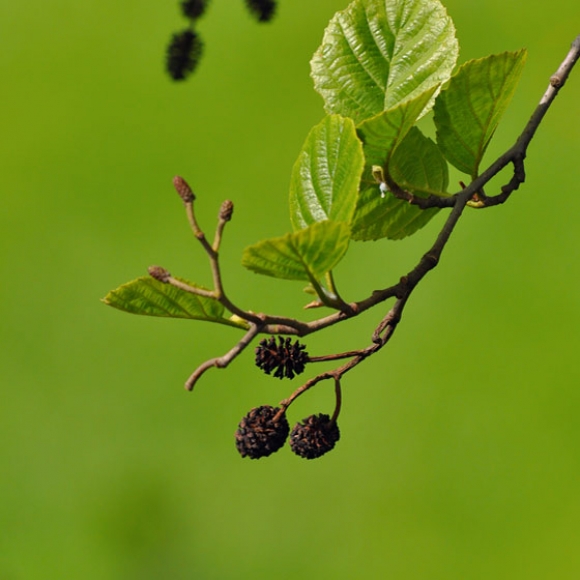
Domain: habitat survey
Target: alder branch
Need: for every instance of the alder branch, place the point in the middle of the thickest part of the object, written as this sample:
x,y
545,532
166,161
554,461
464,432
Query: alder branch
x,y
472,195
222,362
515,154
386,328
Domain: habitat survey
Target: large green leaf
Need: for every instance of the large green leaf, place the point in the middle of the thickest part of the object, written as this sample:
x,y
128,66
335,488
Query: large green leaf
x,y
376,54
304,255
326,176
150,297
417,166
468,111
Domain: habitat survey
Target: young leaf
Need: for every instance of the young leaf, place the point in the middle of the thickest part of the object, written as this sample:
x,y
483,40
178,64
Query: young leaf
x,y
382,133
304,255
326,175
376,54
150,297
376,217
468,111
417,166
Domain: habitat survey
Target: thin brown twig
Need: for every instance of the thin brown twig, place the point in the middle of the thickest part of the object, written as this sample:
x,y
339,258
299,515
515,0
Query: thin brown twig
x,y
338,397
223,361
515,154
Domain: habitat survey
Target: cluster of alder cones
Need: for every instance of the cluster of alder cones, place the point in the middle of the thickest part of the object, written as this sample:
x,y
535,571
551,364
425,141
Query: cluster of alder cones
x,y
265,429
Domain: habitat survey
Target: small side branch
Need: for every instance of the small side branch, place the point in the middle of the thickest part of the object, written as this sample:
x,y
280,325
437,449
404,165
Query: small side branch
x,y
517,153
212,250
222,361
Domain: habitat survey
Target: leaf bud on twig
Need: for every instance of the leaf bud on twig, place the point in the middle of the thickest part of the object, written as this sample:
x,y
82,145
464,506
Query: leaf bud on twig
x,y
183,189
159,273
226,210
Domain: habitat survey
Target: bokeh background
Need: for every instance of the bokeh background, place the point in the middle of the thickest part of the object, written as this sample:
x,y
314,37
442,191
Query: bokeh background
x,y
459,455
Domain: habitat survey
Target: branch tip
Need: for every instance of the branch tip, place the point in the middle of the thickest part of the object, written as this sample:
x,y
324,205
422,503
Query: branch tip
x,y
226,210
184,191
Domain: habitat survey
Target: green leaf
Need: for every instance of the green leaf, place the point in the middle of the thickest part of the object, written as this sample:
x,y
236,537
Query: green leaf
x,y
376,54
304,255
417,166
468,111
326,175
150,297
376,217
382,133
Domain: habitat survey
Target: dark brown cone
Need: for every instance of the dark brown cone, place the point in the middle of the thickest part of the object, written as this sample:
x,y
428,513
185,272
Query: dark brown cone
x,y
284,358
315,436
258,436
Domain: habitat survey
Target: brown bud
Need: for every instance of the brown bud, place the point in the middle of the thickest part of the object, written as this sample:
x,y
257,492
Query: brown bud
x,y
183,189
159,273
226,210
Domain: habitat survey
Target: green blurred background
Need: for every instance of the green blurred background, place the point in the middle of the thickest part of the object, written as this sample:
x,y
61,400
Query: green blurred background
x,y
459,454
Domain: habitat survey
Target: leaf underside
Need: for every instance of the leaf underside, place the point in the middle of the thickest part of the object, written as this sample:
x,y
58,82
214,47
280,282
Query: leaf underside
x,y
468,111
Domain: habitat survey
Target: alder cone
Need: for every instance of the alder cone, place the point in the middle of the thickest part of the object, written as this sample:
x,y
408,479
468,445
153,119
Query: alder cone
x,y
314,437
284,358
258,435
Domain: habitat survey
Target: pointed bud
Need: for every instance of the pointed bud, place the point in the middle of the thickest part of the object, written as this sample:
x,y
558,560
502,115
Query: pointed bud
x,y
159,273
226,210
378,173
183,189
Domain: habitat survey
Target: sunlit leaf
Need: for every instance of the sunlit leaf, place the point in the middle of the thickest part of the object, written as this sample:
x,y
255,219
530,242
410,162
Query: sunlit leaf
x,y
376,54
150,297
304,255
326,176
468,111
